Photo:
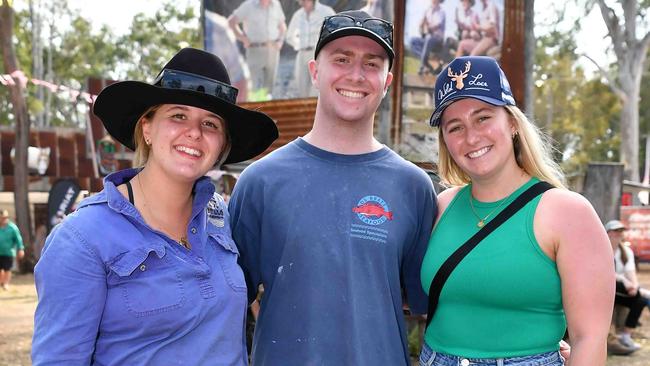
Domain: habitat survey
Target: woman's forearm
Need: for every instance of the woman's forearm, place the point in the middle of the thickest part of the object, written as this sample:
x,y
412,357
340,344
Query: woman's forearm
x,y
587,351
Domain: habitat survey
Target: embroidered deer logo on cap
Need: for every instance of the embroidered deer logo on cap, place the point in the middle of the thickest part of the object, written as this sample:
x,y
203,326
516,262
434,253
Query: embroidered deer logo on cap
x,y
458,78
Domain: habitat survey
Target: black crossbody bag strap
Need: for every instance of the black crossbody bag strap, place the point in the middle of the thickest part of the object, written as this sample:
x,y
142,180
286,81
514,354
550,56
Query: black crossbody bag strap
x,y
448,266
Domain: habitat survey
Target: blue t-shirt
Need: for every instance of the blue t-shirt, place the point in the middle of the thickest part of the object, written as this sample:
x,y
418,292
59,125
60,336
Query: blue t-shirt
x,y
333,238
112,291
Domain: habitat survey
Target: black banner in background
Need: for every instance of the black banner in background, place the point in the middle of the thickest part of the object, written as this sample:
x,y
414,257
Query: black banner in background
x,y
62,197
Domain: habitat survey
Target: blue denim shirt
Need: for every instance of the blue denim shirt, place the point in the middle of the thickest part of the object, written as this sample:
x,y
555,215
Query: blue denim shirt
x,y
113,291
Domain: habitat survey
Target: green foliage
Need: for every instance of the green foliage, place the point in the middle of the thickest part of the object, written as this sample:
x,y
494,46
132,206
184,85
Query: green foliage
x,y
581,114
414,340
24,58
35,105
78,52
85,53
154,40
258,95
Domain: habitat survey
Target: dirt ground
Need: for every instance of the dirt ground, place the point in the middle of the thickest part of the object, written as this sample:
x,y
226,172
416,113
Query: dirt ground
x,y
17,307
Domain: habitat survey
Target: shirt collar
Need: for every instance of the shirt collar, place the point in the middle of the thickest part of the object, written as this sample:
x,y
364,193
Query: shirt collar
x,y
203,190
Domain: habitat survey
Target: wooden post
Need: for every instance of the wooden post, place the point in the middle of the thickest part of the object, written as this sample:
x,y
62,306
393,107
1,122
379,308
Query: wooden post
x,y
603,187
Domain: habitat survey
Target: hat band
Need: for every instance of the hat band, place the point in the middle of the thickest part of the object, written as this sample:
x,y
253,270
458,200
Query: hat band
x,y
379,27
174,79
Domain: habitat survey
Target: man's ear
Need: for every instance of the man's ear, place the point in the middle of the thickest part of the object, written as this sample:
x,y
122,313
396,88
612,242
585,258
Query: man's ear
x,y
313,72
389,80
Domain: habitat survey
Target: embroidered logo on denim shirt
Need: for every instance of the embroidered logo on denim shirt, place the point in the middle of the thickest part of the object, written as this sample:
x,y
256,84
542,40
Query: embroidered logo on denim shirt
x,y
373,211
215,209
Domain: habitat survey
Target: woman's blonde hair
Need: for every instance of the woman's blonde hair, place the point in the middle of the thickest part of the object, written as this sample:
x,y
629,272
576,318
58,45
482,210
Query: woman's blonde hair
x,y
532,149
142,149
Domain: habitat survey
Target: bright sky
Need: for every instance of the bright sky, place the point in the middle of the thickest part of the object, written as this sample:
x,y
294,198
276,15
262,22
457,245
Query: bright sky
x,y
591,40
118,14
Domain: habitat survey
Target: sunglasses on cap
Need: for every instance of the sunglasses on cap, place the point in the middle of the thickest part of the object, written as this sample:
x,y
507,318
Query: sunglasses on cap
x,y
380,27
174,79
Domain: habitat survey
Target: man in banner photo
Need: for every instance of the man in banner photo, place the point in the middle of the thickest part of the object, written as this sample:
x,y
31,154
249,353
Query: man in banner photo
x,y
260,26
302,36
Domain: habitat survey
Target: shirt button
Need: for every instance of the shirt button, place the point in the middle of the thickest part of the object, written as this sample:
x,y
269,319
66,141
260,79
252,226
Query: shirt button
x,y
464,362
143,267
193,230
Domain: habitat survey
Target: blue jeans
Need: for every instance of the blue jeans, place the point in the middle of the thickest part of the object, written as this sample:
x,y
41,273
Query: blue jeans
x,y
428,357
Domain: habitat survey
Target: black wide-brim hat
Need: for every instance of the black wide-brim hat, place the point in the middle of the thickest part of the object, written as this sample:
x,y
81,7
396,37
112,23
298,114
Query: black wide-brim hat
x,y
120,105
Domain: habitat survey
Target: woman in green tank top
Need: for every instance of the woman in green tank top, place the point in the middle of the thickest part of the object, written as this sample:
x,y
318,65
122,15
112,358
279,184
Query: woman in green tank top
x,y
545,270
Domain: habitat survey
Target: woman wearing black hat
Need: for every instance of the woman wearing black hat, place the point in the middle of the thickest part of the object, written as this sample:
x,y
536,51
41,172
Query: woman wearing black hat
x,y
145,272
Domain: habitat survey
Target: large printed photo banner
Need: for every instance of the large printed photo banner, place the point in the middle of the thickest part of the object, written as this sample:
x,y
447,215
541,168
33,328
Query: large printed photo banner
x,y
266,44
436,31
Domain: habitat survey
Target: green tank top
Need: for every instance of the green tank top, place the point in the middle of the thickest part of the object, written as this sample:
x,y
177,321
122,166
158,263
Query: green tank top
x,y
504,299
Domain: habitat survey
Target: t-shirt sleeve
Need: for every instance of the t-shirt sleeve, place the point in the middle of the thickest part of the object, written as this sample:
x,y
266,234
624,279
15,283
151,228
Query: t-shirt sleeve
x,y
241,11
71,285
279,13
412,262
243,207
18,237
630,265
292,35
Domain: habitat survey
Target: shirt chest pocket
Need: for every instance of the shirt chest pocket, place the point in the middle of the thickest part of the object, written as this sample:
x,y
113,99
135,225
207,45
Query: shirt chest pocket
x,y
147,280
227,254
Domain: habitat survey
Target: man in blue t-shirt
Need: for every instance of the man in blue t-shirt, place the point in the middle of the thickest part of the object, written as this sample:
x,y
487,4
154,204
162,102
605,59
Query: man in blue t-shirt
x,y
334,224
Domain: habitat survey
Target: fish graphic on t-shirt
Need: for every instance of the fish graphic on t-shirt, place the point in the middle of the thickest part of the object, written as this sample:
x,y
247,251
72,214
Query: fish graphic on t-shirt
x,y
370,209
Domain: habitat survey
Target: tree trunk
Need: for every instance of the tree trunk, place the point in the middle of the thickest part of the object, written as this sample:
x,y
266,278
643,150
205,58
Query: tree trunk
x,y
529,56
49,75
630,135
16,92
37,56
631,56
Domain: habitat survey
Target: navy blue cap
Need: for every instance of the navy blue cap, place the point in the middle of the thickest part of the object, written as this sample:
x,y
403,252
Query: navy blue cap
x,y
477,77
357,23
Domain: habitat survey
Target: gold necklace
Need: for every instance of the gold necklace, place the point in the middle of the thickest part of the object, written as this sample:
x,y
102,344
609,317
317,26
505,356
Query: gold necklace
x,y
183,239
481,221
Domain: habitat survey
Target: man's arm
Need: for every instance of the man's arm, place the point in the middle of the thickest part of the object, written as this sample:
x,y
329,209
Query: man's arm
x,y
412,262
233,23
282,30
20,252
245,227
292,36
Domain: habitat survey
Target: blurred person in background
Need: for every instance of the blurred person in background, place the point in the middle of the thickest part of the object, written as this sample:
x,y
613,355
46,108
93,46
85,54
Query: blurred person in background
x,y
302,35
628,292
374,8
465,20
486,31
11,247
432,28
260,26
